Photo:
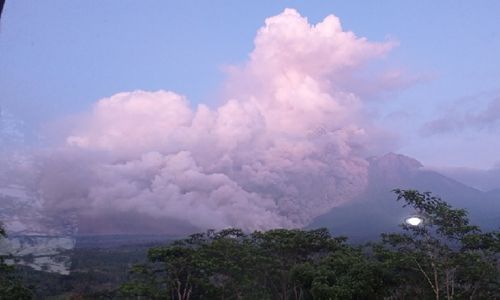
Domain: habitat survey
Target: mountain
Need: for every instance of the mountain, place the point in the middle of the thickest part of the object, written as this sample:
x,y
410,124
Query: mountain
x,y
376,210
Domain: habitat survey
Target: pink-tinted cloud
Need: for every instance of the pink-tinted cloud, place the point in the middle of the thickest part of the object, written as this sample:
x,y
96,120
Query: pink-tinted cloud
x,y
287,145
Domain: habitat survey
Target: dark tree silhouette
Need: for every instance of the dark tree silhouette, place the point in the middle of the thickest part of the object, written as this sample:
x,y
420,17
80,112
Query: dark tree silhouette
x,y
2,2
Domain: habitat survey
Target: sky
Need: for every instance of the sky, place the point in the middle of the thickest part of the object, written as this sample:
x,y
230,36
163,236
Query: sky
x,y
59,58
250,114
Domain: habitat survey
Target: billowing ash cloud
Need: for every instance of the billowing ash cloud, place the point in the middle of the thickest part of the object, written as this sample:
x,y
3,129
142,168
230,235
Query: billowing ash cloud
x,y
287,145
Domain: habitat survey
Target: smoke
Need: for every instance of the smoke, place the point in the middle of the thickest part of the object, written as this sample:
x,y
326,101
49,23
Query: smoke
x,y
286,145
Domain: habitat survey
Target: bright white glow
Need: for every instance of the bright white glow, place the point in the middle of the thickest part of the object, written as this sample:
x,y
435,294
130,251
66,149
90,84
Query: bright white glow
x,y
413,221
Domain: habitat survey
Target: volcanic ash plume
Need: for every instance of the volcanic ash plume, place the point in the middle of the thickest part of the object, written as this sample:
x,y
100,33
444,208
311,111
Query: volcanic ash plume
x,y
286,145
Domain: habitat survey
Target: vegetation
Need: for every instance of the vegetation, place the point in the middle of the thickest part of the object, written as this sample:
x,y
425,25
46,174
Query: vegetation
x,y
453,258
445,257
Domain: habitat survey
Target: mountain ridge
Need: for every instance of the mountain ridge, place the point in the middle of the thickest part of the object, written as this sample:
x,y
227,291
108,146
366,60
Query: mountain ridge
x,y
376,210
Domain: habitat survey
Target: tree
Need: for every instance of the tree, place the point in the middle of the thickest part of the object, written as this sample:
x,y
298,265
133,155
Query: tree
x,y
208,265
142,285
230,264
346,273
454,259
444,257
282,250
180,266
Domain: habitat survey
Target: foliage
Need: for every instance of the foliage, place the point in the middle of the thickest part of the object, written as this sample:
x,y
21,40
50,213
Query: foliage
x,y
454,259
277,264
445,257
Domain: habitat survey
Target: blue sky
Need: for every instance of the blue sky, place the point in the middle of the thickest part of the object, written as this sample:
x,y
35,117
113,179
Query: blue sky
x,y
59,57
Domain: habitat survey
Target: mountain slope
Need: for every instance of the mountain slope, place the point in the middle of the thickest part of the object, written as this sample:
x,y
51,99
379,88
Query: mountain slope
x,y
376,209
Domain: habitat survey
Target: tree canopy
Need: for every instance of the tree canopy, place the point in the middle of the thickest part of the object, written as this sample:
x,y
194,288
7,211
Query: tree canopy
x,y
444,257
